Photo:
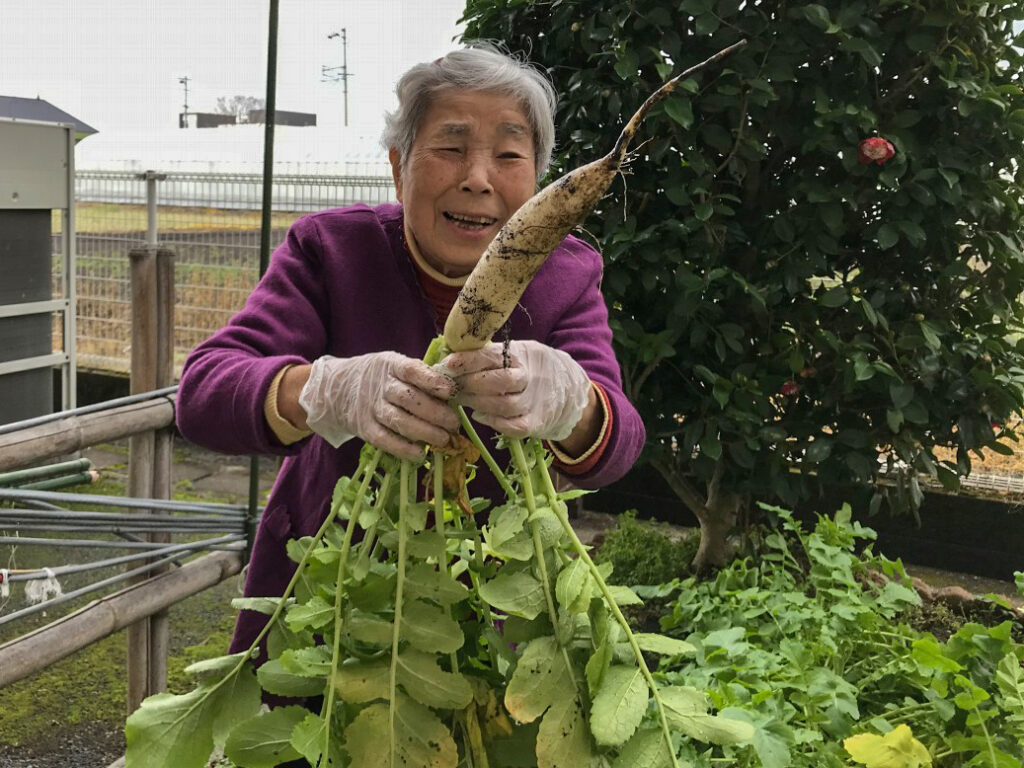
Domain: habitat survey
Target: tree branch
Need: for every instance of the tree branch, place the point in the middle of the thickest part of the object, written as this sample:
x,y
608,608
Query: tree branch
x,y
739,136
916,75
642,378
681,487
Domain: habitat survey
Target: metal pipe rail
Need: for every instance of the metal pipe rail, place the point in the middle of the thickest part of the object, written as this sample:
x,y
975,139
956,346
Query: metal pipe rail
x,y
162,549
36,650
114,528
63,481
99,500
28,541
133,574
88,520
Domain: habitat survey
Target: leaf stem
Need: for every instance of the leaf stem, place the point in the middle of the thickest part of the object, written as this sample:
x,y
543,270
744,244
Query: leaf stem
x,y
367,467
396,633
581,551
365,464
988,737
907,712
442,556
369,542
477,753
492,465
438,468
346,548
474,577
519,459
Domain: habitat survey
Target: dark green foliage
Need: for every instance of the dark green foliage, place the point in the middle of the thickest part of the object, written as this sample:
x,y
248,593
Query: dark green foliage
x,y
642,553
751,255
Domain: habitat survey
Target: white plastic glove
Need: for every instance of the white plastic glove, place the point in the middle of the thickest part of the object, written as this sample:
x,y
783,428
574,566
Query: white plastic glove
x,y
391,401
541,393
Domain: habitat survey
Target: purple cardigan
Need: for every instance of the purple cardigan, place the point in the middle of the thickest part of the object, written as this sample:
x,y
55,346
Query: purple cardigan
x,y
343,283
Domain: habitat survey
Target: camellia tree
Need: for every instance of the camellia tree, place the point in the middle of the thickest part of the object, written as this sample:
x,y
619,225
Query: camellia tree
x,y
815,272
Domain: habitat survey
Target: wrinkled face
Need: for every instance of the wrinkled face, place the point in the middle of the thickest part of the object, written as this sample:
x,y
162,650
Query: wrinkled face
x,y
470,167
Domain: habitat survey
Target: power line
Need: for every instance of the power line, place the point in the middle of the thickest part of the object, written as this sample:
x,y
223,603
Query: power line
x,y
334,74
184,115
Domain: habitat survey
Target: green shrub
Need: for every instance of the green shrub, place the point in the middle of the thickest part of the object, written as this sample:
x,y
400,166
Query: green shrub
x,y
643,553
777,299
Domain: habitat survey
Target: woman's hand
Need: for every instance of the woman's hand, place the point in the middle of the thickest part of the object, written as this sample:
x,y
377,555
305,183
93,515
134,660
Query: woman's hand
x,y
533,391
393,402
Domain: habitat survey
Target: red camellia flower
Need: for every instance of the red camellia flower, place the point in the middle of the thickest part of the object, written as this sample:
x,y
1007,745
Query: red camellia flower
x,y
790,388
875,150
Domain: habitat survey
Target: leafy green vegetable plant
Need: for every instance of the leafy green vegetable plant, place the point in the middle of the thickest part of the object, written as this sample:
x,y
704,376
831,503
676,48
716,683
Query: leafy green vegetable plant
x,y
428,640
896,749
807,646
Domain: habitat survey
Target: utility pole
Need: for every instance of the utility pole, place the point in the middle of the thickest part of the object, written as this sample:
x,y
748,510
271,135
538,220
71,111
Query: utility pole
x,y
334,74
183,123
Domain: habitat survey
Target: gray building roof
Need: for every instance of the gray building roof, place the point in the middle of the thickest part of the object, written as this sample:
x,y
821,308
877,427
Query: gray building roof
x,y
40,109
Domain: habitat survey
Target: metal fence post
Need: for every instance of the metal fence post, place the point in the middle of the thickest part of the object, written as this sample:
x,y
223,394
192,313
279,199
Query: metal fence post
x,y
265,231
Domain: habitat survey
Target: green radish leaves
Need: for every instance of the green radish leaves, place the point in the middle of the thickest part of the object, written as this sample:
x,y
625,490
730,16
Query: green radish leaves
x,y
431,639
429,628
171,730
264,741
575,587
619,706
541,680
181,730
687,711
424,680
517,594
646,749
562,739
421,739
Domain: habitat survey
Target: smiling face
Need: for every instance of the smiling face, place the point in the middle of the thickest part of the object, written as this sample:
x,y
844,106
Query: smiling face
x,y
469,169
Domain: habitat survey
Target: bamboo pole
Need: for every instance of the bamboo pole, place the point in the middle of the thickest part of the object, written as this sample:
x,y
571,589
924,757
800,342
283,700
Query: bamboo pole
x,y
141,447
63,481
65,436
47,645
38,473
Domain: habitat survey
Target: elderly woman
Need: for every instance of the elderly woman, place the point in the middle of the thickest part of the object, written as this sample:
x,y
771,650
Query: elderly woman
x,y
328,345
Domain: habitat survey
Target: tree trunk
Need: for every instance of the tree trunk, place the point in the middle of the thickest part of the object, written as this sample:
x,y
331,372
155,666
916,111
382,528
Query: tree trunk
x,y
717,513
716,519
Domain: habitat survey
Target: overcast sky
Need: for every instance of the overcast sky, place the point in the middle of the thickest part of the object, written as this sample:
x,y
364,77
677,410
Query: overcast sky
x,y
115,64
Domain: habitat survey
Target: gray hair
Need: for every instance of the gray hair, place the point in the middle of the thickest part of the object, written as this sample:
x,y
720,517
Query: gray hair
x,y
478,67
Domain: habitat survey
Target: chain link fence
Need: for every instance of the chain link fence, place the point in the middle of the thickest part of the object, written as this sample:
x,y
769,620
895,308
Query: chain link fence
x,y
212,223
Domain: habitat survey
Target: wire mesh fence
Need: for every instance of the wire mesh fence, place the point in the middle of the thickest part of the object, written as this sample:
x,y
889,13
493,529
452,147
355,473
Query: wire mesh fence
x,y
211,221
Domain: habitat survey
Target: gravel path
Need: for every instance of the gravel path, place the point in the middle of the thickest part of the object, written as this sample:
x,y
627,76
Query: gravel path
x,y
75,746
